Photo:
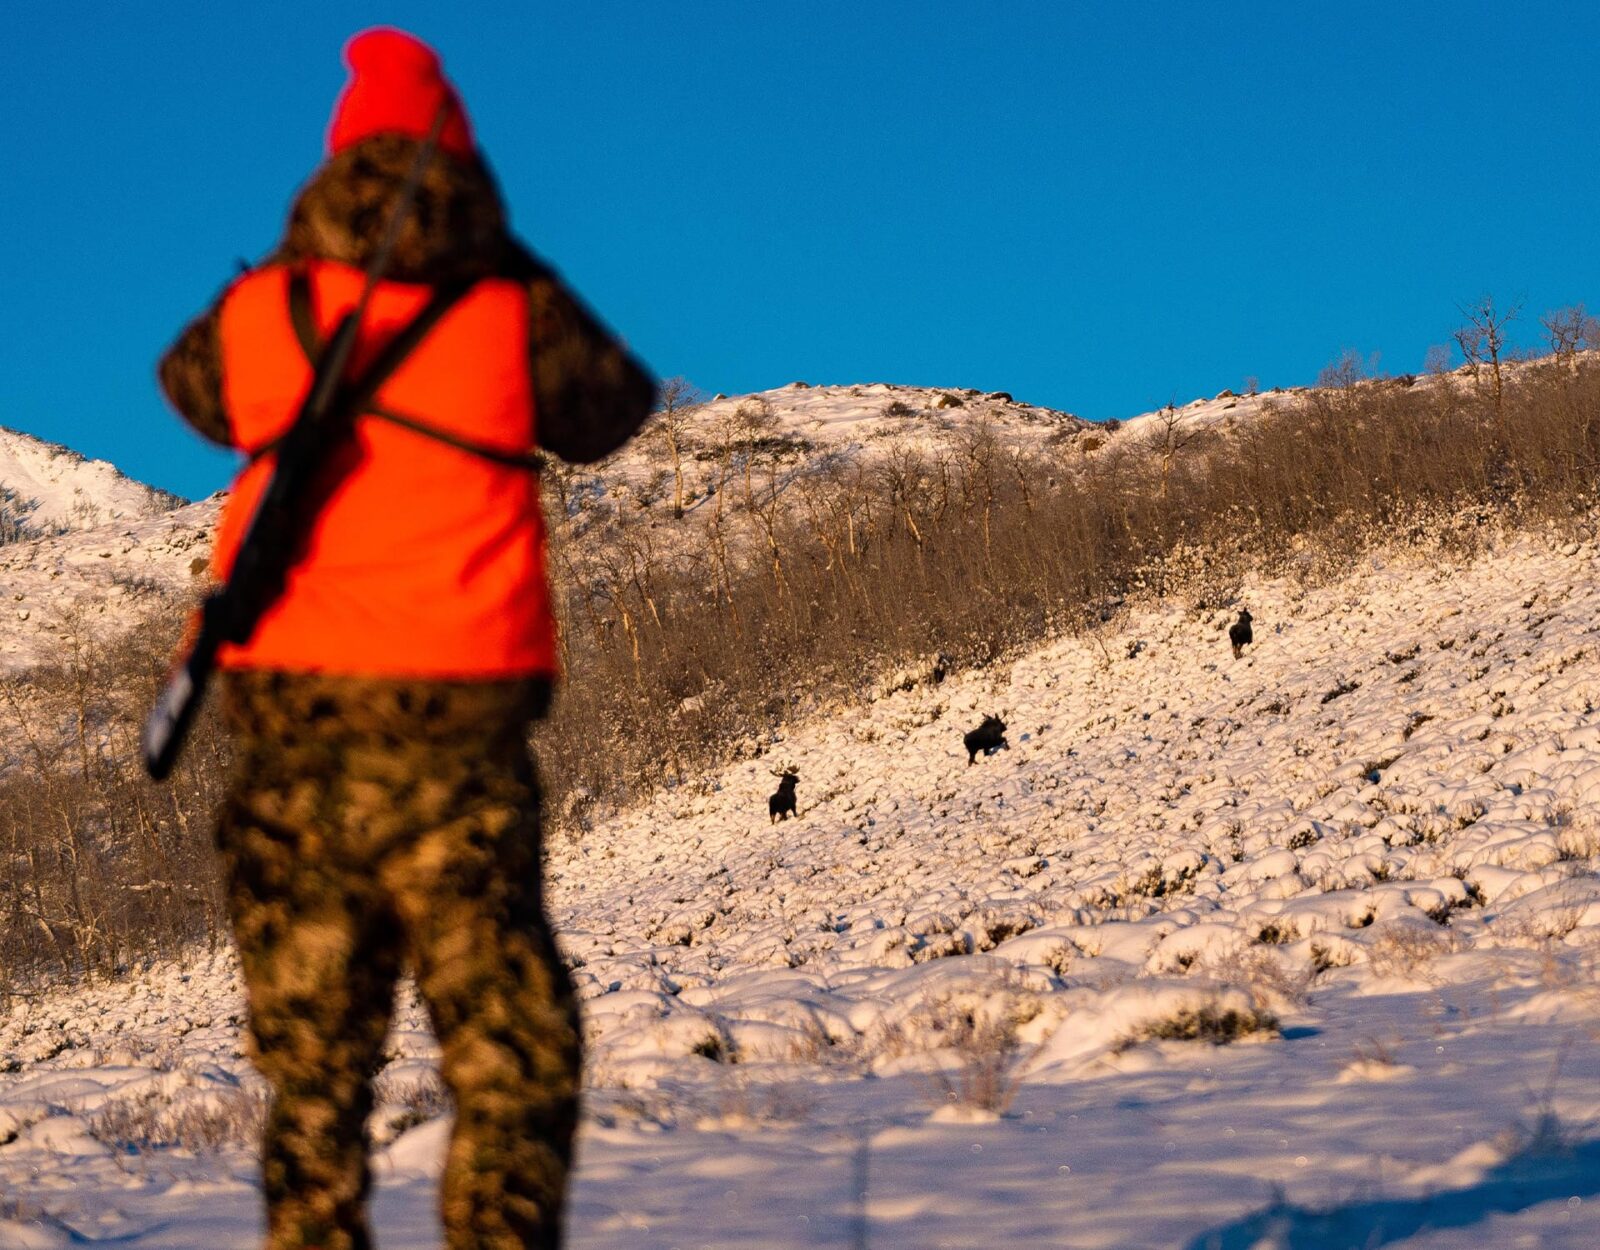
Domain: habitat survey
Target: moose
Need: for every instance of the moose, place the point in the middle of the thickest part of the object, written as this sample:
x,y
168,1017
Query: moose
x,y
1239,633
988,737
781,805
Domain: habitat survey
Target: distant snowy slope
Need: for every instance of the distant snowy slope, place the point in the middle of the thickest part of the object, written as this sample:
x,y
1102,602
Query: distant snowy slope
x,y
797,429
845,417
127,545
125,540
100,580
72,492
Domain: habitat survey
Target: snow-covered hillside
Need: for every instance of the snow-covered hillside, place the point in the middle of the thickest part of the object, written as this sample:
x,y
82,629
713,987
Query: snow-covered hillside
x,y
99,580
96,548
56,488
126,542
806,423
976,1006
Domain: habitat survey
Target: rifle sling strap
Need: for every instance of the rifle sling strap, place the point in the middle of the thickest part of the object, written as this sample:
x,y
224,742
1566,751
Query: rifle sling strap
x,y
394,354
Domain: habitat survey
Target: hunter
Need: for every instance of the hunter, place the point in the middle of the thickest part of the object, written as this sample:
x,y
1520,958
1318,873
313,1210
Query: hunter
x,y
384,812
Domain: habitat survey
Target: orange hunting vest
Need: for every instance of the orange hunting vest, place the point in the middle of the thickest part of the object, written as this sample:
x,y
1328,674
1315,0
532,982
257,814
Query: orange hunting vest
x,y
427,559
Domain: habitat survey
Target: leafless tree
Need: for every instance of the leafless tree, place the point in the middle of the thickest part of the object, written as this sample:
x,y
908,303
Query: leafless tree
x,y
1570,331
902,475
754,420
1483,340
1343,374
679,401
1167,437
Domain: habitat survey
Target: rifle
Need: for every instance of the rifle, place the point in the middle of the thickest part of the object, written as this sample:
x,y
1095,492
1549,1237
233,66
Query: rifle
x,y
273,539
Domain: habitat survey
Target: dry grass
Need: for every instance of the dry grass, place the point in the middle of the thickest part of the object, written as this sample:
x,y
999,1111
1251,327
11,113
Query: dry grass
x,y
1410,950
989,1063
233,1119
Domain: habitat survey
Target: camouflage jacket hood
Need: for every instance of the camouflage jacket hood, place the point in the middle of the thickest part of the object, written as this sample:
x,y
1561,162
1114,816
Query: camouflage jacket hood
x,y
591,394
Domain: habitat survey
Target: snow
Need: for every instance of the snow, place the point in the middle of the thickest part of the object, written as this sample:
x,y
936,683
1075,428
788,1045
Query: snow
x,y
128,548
101,549
1206,958
95,582
70,492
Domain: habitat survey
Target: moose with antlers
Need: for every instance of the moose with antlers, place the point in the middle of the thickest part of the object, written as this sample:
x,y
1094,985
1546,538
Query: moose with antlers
x,y
781,805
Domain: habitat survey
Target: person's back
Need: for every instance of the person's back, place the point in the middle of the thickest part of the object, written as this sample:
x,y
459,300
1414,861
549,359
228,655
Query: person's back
x,y
385,810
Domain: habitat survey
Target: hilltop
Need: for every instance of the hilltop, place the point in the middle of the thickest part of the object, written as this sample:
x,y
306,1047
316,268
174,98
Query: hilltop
x,y
99,548
51,488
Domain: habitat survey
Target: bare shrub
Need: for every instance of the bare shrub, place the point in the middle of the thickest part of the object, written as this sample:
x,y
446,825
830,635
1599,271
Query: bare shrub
x,y
1569,331
669,427
1542,1130
406,1102
98,867
814,1046
738,1099
1484,341
989,1061
16,512
976,1032
1410,950
1375,1052
1577,833
1272,980
1210,1022
1541,929
206,1124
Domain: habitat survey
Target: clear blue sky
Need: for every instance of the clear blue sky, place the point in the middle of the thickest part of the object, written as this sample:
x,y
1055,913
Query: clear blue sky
x,y
1099,207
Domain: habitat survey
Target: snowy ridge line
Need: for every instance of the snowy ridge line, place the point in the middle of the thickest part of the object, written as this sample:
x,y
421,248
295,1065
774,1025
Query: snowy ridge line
x,y
126,541
68,491
127,544
1365,852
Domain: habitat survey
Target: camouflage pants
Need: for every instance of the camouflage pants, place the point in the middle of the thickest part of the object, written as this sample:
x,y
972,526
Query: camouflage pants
x,y
375,824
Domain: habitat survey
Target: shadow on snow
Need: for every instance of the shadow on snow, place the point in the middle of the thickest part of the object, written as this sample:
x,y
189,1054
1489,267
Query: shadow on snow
x,y
1523,1181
